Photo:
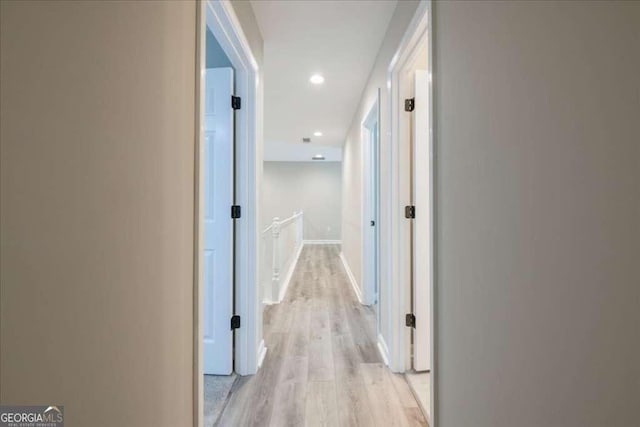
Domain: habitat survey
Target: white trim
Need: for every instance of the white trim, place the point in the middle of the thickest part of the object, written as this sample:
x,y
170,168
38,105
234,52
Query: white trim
x,y
262,352
431,413
220,18
322,242
287,278
383,349
352,279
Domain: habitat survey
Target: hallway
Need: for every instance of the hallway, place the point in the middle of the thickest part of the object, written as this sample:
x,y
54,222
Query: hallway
x,y
322,365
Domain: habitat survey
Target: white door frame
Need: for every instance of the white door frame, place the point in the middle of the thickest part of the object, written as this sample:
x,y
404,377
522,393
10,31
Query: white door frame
x,y
221,19
398,227
370,268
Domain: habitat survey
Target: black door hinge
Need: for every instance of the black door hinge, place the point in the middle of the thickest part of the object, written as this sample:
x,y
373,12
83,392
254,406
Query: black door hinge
x,y
409,104
236,211
236,102
410,212
410,320
235,322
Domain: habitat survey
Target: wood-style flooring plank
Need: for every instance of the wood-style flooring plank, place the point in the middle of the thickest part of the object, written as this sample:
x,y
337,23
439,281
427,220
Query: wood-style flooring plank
x,y
321,360
415,417
400,384
346,358
354,407
321,408
386,408
288,405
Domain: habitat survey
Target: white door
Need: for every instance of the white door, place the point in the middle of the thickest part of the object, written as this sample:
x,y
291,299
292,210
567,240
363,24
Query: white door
x,y
375,220
421,224
218,225
373,207
370,207
372,200
370,152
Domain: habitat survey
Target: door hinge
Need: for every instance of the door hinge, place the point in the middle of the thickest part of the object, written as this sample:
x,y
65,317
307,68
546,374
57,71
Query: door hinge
x,y
410,212
236,211
410,320
236,102
235,322
409,104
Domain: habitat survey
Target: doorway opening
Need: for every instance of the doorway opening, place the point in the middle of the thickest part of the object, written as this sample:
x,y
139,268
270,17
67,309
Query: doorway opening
x,y
421,230
371,208
319,332
412,225
227,338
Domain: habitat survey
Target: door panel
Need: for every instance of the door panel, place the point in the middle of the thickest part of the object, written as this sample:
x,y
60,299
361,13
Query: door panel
x,y
218,225
370,220
421,224
373,207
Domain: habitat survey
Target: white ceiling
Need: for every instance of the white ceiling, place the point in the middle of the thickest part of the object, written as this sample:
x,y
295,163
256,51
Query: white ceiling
x,y
338,39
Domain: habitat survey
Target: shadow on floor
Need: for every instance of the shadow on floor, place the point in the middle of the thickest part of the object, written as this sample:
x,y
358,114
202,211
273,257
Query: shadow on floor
x,y
216,391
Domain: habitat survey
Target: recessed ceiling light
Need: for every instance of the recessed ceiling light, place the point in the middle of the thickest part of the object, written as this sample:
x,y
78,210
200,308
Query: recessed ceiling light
x,y
317,79
318,133
318,157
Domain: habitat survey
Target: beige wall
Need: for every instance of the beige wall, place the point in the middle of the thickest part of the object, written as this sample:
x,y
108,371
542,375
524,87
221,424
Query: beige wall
x,y
537,115
313,187
97,155
351,161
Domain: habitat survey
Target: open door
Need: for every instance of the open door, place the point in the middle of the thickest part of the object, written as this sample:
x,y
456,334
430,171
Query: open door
x,y
218,224
421,224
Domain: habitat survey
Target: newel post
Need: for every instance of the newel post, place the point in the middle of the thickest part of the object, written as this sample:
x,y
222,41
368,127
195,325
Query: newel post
x,y
275,280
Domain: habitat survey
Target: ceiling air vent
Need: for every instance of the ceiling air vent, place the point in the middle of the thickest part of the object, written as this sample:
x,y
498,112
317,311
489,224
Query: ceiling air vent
x,y
306,140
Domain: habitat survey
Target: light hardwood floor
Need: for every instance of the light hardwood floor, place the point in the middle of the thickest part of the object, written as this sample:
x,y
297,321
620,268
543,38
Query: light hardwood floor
x,y
322,366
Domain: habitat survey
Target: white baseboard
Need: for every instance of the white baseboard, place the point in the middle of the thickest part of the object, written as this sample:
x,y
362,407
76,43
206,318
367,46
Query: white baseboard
x,y
352,278
287,277
383,349
322,242
262,352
